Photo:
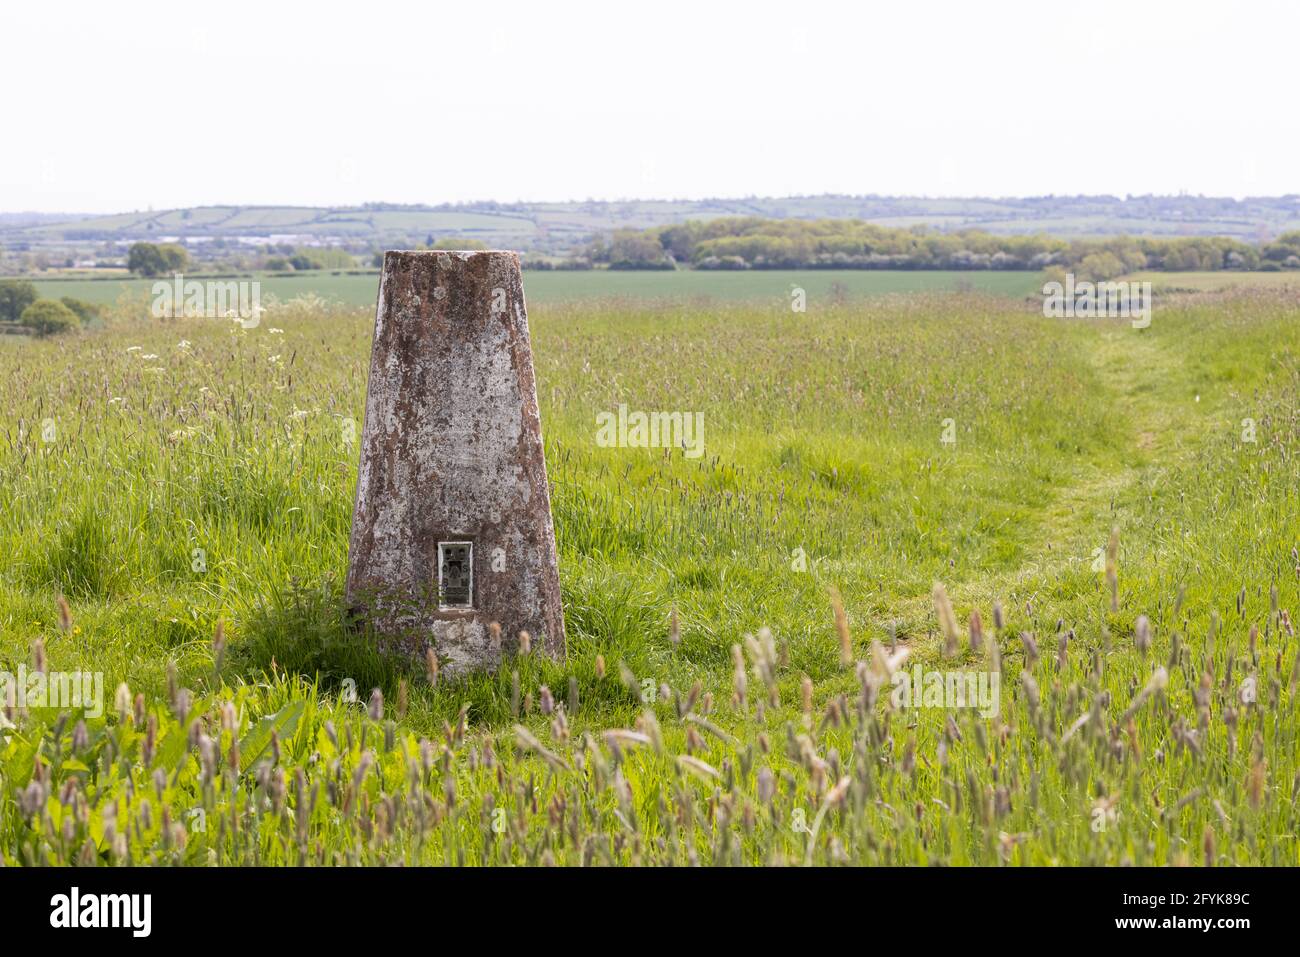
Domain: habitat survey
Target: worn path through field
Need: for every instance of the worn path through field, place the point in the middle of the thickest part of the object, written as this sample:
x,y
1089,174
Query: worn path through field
x,y
1146,385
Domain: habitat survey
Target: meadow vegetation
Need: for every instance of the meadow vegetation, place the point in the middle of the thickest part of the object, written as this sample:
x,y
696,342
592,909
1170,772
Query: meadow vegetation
x,y
617,289
1111,516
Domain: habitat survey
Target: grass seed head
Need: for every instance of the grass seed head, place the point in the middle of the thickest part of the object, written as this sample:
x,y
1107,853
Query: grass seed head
x,y
1112,569
1142,634
947,621
219,644
842,629
976,632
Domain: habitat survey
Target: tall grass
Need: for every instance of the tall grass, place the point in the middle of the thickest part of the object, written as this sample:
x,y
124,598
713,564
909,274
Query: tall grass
x,y
200,477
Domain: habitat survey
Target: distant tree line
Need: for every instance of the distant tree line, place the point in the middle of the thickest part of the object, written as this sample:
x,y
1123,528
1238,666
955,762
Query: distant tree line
x,y
20,305
148,259
151,259
756,243
306,258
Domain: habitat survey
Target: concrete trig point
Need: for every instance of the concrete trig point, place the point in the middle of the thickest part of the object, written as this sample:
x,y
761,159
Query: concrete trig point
x,y
452,526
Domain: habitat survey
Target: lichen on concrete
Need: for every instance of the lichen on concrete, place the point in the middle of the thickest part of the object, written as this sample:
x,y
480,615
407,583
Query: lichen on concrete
x,y
451,450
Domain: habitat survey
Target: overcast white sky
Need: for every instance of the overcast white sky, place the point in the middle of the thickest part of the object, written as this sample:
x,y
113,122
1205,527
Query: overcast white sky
x,y
122,106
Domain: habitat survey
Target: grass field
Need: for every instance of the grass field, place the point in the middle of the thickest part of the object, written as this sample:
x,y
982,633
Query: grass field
x,y
752,285
1219,281
562,286
188,488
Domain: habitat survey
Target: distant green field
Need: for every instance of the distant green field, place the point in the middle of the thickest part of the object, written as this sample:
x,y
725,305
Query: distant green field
x,y
602,284
1214,281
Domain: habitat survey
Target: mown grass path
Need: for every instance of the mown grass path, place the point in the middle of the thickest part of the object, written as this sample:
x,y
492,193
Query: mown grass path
x,y
1145,385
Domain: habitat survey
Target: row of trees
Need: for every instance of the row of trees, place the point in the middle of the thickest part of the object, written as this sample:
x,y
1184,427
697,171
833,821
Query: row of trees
x,y
324,257
152,259
21,304
149,260
756,243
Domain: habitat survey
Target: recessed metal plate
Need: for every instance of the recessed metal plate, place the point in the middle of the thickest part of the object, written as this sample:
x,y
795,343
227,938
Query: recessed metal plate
x,y
456,574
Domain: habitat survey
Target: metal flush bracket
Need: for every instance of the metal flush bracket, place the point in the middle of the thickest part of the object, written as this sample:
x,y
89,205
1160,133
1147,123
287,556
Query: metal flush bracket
x,y
455,575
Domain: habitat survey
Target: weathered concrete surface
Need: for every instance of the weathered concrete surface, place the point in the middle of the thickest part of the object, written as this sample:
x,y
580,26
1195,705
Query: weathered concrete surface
x,y
451,451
